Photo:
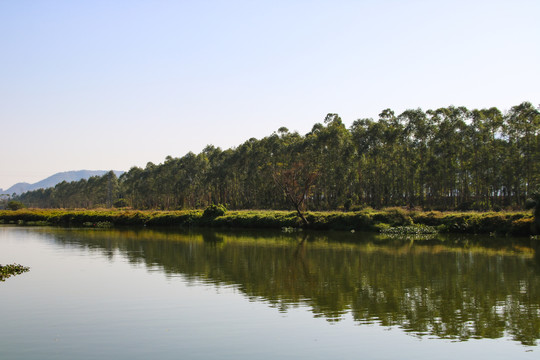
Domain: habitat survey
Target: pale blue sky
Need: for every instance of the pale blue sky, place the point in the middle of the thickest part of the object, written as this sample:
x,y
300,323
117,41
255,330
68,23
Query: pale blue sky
x,y
114,84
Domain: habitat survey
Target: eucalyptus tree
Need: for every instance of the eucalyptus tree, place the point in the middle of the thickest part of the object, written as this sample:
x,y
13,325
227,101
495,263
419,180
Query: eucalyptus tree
x,y
394,152
487,155
62,192
332,151
417,134
366,145
163,177
40,198
215,177
522,130
446,180
129,186
444,158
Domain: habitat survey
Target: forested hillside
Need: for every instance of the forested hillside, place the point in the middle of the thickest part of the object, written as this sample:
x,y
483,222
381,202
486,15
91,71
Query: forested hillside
x,y
448,158
54,179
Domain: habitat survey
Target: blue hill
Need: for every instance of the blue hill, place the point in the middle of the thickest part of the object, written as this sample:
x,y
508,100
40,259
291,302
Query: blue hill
x,y
57,178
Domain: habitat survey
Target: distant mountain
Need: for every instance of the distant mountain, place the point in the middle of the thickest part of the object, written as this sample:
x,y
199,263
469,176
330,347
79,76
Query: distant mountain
x,y
57,178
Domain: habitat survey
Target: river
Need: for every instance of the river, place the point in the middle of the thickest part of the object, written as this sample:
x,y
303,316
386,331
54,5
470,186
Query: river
x,y
205,294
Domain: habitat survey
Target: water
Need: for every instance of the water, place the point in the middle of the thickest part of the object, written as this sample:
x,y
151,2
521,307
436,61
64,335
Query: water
x,y
136,294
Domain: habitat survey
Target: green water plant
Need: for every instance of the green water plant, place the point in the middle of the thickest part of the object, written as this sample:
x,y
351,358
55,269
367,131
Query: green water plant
x,y
12,269
98,224
410,230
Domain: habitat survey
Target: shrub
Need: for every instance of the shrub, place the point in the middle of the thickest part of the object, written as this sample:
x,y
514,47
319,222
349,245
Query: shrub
x,y
213,211
120,203
522,226
15,205
394,217
360,207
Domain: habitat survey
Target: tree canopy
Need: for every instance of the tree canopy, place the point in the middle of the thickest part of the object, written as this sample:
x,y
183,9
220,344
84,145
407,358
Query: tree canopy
x,y
447,159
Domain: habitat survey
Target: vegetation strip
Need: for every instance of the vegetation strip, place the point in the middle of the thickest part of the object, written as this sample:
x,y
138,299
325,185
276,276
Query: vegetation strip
x,y
500,223
451,159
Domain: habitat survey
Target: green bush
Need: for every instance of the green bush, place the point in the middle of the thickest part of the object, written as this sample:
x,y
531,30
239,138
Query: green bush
x,y
15,205
213,211
393,216
120,203
522,227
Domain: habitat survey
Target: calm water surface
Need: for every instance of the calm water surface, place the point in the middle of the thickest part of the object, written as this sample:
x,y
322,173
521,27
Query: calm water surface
x,y
136,294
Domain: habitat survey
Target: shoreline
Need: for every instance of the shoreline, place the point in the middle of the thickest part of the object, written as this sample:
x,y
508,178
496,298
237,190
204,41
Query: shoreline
x,y
500,223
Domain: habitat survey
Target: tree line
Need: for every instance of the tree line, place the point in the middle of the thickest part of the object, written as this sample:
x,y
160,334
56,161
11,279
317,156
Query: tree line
x,y
450,158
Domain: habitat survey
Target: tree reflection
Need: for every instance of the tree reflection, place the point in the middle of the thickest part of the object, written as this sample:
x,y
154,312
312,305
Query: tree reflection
x,y
448,288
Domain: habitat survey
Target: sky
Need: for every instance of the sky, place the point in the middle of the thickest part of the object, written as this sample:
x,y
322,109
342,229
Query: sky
x,y
113,84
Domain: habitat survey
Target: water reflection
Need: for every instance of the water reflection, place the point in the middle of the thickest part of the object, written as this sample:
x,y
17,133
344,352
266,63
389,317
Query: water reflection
x,y
446,287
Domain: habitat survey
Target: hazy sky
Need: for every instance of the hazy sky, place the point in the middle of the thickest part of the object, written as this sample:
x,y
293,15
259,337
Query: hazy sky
x,y
115,84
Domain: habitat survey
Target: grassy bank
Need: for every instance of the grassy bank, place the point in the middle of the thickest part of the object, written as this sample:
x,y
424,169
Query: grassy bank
x,y
501,223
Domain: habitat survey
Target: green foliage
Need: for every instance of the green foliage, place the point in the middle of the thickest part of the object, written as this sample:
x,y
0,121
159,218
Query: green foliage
x,y
15,205
516,223
348,204
394,217
408,230
522,227
13,269
214,211
120,203
530,203
534,203
411,232
174,218
451,159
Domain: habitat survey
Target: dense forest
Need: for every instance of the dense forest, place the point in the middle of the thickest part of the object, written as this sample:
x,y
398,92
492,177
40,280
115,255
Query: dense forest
x,y
445,159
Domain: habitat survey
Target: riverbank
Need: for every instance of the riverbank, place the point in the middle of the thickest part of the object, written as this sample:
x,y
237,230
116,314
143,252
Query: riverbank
x,y
500,223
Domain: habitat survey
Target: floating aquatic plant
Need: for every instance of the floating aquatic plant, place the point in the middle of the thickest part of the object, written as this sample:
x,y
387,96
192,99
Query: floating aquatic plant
x,y
11,269
410,230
